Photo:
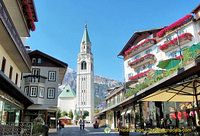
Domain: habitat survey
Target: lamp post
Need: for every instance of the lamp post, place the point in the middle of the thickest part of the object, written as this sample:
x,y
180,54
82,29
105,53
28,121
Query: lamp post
x,y
179,49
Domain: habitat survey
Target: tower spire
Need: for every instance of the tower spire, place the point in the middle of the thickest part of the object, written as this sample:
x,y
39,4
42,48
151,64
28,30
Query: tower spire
x,y
85,35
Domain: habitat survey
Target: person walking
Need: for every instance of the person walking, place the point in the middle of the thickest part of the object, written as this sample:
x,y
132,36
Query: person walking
x,y
81,123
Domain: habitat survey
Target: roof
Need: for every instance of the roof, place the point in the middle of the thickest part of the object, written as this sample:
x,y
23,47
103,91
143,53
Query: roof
x,y
60,63
85,35
194,10
67,92
134,37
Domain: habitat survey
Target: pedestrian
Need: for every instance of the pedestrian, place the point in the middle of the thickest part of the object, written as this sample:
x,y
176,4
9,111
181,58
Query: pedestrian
x,y
83,124
80,122
118,124
76,121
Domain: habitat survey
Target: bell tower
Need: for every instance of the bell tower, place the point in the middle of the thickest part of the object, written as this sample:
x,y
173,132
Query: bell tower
x,y
85,77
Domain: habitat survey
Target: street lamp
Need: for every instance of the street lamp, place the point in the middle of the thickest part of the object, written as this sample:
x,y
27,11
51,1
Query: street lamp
x,y
179,48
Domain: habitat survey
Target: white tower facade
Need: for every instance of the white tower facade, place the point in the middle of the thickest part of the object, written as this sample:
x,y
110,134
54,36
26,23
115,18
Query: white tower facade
x,y
85,77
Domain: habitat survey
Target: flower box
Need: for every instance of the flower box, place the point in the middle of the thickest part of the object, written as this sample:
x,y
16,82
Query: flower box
x,y
175,25
140,47
140,75
174,42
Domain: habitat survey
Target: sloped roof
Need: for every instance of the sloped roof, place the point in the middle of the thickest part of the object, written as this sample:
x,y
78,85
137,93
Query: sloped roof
x,y
67,92
85,35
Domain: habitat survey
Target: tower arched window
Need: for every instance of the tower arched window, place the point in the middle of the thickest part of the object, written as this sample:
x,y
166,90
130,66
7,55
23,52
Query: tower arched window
x,y
83,65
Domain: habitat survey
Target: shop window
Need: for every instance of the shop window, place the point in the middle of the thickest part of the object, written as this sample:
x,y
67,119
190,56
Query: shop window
x,y
26,90
10,72
51,93
3,65
52,76
16,78
33,92
41,92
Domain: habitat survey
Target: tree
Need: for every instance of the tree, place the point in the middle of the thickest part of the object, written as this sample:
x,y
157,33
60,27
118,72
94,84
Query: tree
x,y
64,113
58,113
86,113
71,114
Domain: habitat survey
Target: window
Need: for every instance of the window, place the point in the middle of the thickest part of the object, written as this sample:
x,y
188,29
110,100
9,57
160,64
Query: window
x,y
52,76
36,71
138,56
148,51
26,90
130,74
83,65
33,91
3,65
67,90
91,66
33,60
39,60
41,92
10,73
51,93
16,78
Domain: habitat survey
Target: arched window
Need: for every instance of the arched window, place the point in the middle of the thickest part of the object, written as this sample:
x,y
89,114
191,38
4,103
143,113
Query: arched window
x,y
83,65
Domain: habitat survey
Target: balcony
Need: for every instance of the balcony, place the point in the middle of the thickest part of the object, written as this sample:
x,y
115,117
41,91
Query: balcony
x,y
148,58
34,79
140,47
140,75
11,41
184,38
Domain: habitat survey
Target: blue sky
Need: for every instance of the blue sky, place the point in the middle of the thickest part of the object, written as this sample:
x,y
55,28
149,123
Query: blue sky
x,y
111,23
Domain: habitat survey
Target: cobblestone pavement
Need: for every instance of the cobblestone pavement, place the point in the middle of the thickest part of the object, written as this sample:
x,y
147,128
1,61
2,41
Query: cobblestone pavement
x,y
74,130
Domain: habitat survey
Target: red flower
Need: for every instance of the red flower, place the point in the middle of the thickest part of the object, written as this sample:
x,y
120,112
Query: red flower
x,y
175,25
139,75
173,115
179,115
137,46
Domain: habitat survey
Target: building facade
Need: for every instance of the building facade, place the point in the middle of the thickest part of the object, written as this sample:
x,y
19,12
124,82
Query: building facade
x,y
67,99
153,60
15,24
41,85
85,77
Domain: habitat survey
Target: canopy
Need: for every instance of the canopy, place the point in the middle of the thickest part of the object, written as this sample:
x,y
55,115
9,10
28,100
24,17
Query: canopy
x,y
169,63
187,91
65,117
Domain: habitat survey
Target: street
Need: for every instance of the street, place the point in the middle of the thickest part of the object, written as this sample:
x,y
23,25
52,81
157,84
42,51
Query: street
x,y
74,130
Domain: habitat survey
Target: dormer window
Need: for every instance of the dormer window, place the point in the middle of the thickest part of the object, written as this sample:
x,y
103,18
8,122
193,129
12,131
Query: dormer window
x,y
33,60
39,60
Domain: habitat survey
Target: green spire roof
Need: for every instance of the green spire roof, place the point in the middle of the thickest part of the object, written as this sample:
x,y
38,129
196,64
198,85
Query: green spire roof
x,y
85,35
67,92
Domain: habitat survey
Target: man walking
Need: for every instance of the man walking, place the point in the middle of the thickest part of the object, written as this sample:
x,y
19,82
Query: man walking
x,y
81,123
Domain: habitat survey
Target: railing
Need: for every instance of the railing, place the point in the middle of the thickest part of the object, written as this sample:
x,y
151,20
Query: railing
x,y
7,21
16,129
34,79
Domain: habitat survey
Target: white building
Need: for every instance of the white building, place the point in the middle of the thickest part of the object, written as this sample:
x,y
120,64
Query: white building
x,y
42,86
85,77
67,99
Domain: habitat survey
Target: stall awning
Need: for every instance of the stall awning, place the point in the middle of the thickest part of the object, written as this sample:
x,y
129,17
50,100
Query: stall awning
x,y
186,91
123,113
129,111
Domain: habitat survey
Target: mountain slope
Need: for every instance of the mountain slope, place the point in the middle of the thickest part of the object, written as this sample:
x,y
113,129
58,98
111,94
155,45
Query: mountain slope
x,y
101,84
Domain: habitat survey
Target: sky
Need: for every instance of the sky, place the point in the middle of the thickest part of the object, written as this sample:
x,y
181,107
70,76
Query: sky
x,y
110,23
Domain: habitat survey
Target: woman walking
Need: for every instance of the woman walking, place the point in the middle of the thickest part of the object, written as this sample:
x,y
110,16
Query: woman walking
x,y
81,123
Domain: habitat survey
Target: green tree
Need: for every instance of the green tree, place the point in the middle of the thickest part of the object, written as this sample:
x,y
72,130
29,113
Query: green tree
x,y
71,114
58,113
64,113
86,113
